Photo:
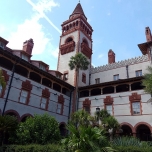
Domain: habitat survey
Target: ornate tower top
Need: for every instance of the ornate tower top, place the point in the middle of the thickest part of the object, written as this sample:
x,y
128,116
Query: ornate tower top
x,y
78,11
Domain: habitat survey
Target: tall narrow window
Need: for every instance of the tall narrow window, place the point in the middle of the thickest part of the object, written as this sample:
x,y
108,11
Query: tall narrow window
x,y
97,81
135,104
109,109
60,105
136,108
138,73
83,78
116,77
43,103
24,96
59,108
86,105
65,76
45,99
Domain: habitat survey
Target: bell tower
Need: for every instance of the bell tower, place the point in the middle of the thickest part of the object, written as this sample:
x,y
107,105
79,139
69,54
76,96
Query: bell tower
x,y
76,37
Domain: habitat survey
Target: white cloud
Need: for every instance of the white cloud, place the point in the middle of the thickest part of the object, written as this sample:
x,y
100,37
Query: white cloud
x,y
55,52
31,28
100,56
43,6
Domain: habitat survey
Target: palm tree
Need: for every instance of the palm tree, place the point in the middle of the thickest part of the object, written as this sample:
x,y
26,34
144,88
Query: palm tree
x,y
81,118
78,62
8,124
147,82
86,139
2,80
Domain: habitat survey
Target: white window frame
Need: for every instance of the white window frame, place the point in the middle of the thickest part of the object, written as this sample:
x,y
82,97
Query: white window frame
x,y
138,73
97,80
116,77
59,108
43,103
25,57
109,109
42,67
24,96
136,108
65,76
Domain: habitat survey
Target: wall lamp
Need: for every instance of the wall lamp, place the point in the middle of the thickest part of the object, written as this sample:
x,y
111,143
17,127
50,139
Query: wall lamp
x,y
38,87
97,109
17,78
55,93
96,99
120,96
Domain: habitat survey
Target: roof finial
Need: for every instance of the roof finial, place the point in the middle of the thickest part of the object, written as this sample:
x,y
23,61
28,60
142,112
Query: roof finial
x,y
79,1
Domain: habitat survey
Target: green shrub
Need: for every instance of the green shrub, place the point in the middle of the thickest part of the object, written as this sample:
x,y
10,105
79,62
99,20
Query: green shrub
x,y
126,141
41,129
133,149
32,148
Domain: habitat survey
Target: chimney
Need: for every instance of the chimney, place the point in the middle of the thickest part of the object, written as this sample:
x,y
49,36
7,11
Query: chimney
x,y
111,57
148,34
28,46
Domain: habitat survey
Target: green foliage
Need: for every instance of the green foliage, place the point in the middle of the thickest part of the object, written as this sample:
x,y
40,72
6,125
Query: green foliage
x,y
147,81
126,141
133,149
8,125
81,118
41,129
102,114
2,79
84,139
32,148
79,61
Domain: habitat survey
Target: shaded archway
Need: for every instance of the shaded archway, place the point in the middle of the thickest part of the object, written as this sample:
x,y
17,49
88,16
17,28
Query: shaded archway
x,y
62,128
25,116
126,130
21,70
143,131
35,77
13,113
6,63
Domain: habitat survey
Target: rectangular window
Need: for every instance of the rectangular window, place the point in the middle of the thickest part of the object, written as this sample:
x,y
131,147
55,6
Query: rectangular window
x,y
42,67
25,57
116,77
23,97
136,108
87,109
66,76
138,73
43,103
59,108
109,109
83,78
97,81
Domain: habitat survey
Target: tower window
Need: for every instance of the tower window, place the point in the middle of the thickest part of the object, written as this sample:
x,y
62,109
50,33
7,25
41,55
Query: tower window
x,y
97,81
68,40
83,78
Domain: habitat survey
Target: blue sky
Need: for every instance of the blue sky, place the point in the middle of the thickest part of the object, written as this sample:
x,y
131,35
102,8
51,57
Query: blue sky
x,y
118,25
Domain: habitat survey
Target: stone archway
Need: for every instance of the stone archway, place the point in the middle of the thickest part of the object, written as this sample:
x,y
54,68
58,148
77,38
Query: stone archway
x,y
128,129
13,113
24,117
143,131
62,128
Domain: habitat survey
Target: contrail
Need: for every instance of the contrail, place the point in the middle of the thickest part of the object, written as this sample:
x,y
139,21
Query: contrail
x,y
43,14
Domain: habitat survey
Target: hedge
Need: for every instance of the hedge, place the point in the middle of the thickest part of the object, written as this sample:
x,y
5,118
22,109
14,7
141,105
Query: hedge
x,y
32,148
133,149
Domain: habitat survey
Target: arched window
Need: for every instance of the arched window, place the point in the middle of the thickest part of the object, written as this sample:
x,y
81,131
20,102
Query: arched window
x,y
69,39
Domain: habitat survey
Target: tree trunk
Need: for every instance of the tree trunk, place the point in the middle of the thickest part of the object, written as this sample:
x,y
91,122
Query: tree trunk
x,y
76,91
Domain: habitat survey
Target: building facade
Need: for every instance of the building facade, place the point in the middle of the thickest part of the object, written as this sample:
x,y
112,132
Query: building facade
x,y
32,88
